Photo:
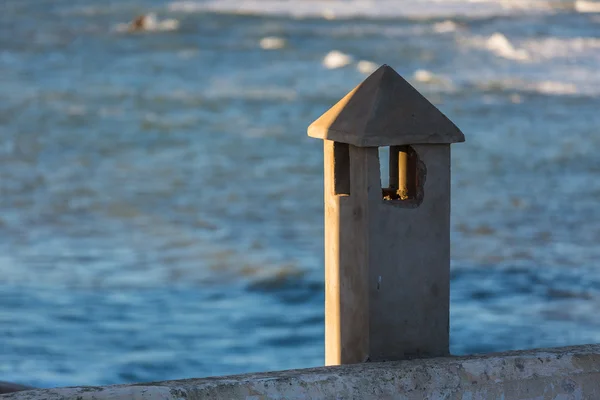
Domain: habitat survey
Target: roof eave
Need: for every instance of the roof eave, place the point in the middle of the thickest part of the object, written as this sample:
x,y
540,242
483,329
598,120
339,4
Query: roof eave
x,y
366,140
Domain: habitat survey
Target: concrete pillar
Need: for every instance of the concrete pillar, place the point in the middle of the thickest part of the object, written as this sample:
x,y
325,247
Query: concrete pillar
x,y
387,250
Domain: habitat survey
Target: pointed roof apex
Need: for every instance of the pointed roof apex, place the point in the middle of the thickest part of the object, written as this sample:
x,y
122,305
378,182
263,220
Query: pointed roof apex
x,y
385,110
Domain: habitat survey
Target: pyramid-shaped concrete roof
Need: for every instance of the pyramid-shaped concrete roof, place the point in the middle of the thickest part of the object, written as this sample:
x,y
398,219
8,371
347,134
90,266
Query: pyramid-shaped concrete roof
x,y
385,110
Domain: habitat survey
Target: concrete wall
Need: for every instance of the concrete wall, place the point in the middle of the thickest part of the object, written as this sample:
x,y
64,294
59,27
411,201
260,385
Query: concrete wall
x,y
409,268
562,373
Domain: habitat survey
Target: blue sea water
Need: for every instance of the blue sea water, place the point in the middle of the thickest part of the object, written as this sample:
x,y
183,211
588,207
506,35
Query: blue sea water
x,y
161,204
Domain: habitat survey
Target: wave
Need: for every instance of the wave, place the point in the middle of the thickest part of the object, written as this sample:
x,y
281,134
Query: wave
x,y
499,45
272,43
555,48
502,47
336,59
148,23
366,67
345,9
538,49
583,6
544,87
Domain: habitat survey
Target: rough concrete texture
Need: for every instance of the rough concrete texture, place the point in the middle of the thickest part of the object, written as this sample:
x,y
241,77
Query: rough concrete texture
x,y
409,267
387,265
562,373
346,262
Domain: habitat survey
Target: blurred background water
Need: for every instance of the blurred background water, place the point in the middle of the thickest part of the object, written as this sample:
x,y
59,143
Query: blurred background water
x,y
161,204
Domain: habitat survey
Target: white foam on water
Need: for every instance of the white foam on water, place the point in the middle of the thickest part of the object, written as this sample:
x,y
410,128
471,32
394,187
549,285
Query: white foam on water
x,y
151,24
422,75
547,87
328,14
170,24
553,87
445,27
341,9
584,6
366,67
425,76
429,78
564,65
569,64
272,43
556,48
502,47
336,59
